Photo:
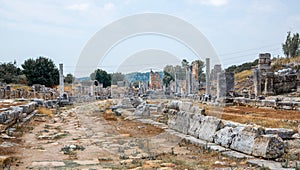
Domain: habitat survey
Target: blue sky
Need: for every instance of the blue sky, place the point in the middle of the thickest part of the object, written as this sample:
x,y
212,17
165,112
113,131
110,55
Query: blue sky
x,y
238,29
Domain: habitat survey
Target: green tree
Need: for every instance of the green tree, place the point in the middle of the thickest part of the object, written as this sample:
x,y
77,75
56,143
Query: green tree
x,y
167,78
291,46
41,71
9,73
201,75
184,63
102,76
115,77
69,78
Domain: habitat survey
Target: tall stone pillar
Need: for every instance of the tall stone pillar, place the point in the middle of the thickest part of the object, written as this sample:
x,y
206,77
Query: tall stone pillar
x,y
257,82
188,79
221,85
269,89
229,81
207,75
61,80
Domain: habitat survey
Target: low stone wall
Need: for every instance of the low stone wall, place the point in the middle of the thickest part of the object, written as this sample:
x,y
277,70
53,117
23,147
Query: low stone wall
x,y
250,139
15,114
267,103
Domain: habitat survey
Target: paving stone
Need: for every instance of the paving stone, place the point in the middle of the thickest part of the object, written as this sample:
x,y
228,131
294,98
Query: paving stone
x,y
235,154
266,163
48,164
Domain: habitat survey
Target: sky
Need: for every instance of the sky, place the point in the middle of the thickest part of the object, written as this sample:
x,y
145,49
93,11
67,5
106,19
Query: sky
x,y
238,30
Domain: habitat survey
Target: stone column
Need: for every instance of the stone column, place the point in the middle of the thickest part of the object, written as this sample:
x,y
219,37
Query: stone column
x,y
269,88
188,79
221,85
229,81
207,75
61,79
257,82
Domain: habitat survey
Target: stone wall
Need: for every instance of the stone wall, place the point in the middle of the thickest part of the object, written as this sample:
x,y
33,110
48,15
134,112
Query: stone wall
x,y
250,139
267,103
285,83
21,93
15,114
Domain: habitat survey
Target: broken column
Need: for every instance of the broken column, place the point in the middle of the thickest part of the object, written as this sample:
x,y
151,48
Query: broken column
x,y
207,60
195,75
229,81
188,79
61,79
257,82
217,69
225,84
221,85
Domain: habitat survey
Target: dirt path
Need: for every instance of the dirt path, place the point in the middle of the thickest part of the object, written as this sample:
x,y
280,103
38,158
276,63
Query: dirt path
x,y
86,138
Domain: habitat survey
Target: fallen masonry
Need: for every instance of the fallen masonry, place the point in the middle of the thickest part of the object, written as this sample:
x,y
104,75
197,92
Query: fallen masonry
x,y
225,136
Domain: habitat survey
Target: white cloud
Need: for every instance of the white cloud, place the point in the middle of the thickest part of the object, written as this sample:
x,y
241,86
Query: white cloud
x,y
109,6
79,7
212,2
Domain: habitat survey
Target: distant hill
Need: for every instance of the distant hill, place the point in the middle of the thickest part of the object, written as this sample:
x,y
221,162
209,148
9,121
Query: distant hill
x,y
137,76
82,79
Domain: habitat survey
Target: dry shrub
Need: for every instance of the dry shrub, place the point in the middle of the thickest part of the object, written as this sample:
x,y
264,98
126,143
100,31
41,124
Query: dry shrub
x,y
45,111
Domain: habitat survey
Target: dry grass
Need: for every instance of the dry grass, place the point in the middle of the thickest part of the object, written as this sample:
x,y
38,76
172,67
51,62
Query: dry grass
x,y
17,86
261,116
242,75
45,111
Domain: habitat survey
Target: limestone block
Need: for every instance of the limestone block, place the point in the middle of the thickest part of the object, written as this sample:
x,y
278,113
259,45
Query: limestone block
x,y
185,106
197,110
142,110
29,107
244,140
281,132
224,136
195,122
160,107
174,104
208,128
125,102
136,101
179,121
268,146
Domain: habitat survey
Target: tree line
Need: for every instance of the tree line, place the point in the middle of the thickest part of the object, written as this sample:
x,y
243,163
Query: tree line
x,y
43,70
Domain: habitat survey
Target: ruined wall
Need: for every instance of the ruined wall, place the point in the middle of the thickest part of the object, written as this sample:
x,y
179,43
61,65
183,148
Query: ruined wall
x,y
16,113
285,83
21,93
250,139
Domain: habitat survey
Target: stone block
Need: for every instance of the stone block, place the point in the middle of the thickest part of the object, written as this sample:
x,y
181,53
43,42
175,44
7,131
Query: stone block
x,y
208,128
160,107
224,136
195,122
142,110
197,110
125,102
268,146
185,106
136,101
244,140
29,107
179,121
174,104
281,132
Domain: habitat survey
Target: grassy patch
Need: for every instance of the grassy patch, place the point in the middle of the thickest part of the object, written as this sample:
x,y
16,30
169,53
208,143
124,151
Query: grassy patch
x,y
45,111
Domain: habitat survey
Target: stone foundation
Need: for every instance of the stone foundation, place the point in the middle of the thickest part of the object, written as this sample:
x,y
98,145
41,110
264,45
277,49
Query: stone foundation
x,y
249,139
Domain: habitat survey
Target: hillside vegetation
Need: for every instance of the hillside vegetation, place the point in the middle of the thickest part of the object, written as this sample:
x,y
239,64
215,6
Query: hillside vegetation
x,y
243,76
